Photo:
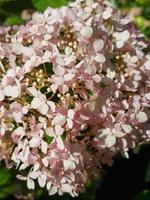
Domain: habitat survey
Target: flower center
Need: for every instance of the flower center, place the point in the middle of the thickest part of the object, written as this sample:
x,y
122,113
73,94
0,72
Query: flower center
x,y
67,39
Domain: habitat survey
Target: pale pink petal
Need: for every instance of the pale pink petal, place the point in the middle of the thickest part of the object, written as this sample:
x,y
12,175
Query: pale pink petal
x,y
100,58
52,105
53,190
66,188
69,165
33,174
42,180
110,140
59,120
86,32
36,103
117,133
45,162
127,128
50,131
142,117
71,113
44,146
59,130
32,91
68,77
43,108
30,184
98,44
48,185
60,143
34,142
69,123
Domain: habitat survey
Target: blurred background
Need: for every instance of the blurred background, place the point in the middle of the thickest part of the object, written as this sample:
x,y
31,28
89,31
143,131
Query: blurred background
x,y
126,179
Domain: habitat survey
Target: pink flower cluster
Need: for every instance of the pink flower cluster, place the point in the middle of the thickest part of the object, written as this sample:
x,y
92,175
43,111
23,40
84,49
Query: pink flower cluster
x,y
74,91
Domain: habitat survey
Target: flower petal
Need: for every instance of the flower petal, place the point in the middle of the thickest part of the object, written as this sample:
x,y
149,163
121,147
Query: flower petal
x,y
110,140
86,32
142,117
43,109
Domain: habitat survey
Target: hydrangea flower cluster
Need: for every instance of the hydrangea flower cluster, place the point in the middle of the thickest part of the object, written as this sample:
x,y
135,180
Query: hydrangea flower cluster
x,y
74,91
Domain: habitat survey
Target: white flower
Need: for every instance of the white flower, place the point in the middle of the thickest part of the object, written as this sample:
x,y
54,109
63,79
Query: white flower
x,y
70,117
40,105
53,190
25,109
42,180
59,60
39,101
58,81
147,63
127,128
59,120
66,188
30,184
98,44
2,131
121,38
147,96
69,165
60,143
35,142
44,146
11,91
110,74
69,76
86,32
117,132
110,140
91,70
59,130
100,58
2,95
51,105
97,78
141,117
45,162
50,131
33,174
107,13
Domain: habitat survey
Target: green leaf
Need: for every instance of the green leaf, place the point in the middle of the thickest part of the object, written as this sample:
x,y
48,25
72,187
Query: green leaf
x,y
147,32
41,5
48,139
5,192
146,12
142,2
5,177
6,187
14,20
139,20
90,93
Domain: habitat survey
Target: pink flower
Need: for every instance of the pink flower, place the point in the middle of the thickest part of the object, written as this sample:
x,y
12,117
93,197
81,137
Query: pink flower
x,y
74,92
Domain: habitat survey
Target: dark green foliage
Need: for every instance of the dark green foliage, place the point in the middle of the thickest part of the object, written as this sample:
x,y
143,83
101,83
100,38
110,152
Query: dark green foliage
x,y
6,187
11,20
145,195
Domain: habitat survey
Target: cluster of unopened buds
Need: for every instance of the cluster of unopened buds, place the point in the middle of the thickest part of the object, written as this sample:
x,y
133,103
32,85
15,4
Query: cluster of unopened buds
x,y
74,91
